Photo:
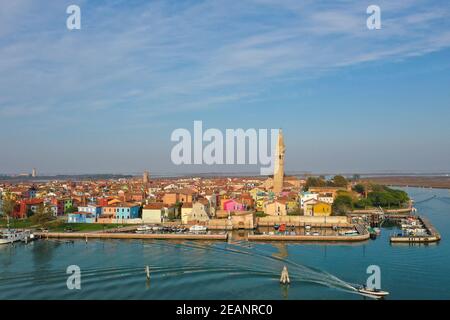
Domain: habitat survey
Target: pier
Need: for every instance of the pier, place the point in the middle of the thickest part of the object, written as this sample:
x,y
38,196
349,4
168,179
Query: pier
x,y
363,235
433,236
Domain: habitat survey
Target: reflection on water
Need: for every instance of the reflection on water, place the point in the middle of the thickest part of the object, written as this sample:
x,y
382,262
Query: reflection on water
x,y
237,269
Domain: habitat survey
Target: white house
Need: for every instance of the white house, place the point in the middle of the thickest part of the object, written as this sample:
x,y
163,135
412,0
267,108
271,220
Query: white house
x,y
306,196
153,213
326,197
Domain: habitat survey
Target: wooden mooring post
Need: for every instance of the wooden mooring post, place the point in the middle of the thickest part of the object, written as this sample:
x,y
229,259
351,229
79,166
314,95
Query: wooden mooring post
x,y
147,271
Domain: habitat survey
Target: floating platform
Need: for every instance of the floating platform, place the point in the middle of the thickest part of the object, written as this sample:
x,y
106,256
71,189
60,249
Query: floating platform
x,y
165,236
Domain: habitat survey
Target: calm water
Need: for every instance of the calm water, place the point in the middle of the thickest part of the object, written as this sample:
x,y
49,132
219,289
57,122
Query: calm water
x,y
114,269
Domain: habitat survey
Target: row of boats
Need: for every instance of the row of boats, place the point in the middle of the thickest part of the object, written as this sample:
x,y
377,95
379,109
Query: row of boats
x,y
412,226
175,229
290,230
8,236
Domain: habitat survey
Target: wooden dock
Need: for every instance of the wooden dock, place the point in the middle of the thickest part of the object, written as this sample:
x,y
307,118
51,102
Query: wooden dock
x,y
102,235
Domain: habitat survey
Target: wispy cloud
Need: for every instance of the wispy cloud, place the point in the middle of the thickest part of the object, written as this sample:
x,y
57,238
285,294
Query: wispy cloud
x,y
170,56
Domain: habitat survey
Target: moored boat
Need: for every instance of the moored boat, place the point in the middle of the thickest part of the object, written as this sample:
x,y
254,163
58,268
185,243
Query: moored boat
x,y
11,235
348,233
197,228
143,228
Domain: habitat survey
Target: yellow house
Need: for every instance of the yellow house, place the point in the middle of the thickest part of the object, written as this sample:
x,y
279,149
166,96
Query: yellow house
x,y
186,212
317,208
292,205
275,208
254,192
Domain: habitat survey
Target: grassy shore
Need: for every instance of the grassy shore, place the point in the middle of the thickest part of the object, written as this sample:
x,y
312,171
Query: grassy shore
x,y
58,225
82,227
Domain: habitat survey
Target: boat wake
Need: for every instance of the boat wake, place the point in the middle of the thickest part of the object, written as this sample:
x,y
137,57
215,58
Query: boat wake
x,y
244,260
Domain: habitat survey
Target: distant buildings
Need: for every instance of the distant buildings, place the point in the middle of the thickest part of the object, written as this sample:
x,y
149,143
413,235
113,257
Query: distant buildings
x,y
218,202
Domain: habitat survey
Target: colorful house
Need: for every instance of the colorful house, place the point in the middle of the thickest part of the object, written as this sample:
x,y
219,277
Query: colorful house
x,y
306,196
233,205
58,205
127,211
92,209
317,208
27,208
81,217
261,197
275,208
68,204
153,213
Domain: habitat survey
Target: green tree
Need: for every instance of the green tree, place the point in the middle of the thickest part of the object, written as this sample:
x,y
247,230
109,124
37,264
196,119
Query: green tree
x,y
342,205
360,188
340,181
8,204
315,182
42,215
362,203
71,209
386,197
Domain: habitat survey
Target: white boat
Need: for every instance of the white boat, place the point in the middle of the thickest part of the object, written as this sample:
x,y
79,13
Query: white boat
x,y
373,292
11,235
157,228
348,233
197,228
308,227
143,229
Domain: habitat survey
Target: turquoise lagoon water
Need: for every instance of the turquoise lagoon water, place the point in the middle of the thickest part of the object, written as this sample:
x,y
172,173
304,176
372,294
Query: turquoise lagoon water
x,y
115,269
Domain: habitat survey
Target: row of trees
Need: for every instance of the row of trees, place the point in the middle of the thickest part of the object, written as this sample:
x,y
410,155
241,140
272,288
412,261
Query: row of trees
x,y
336,181
378,196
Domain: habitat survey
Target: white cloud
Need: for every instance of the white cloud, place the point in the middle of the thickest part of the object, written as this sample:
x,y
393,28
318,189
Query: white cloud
x,y
168,57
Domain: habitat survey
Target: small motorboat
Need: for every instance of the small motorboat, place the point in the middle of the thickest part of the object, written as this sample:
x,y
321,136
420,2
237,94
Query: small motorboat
x,y
197,228
143,229
373,292
348,233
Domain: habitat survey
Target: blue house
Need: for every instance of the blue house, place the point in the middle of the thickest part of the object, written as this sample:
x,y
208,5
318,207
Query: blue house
x,y
127,211
76,217
92,209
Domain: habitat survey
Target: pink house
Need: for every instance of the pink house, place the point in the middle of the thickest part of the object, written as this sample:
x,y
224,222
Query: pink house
x,y
233,205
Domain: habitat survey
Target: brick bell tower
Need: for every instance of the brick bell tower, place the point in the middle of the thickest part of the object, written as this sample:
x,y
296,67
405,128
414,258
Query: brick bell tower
x,y
278,174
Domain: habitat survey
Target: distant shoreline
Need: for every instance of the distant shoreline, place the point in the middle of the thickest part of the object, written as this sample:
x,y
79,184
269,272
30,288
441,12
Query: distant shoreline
x,y
437,182
431,180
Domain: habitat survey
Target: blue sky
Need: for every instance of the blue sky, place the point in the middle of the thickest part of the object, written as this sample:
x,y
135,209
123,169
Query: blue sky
x,y
107,97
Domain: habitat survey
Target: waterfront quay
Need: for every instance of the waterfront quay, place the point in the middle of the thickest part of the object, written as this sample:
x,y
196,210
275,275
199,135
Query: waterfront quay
x,y
117,235
275,237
